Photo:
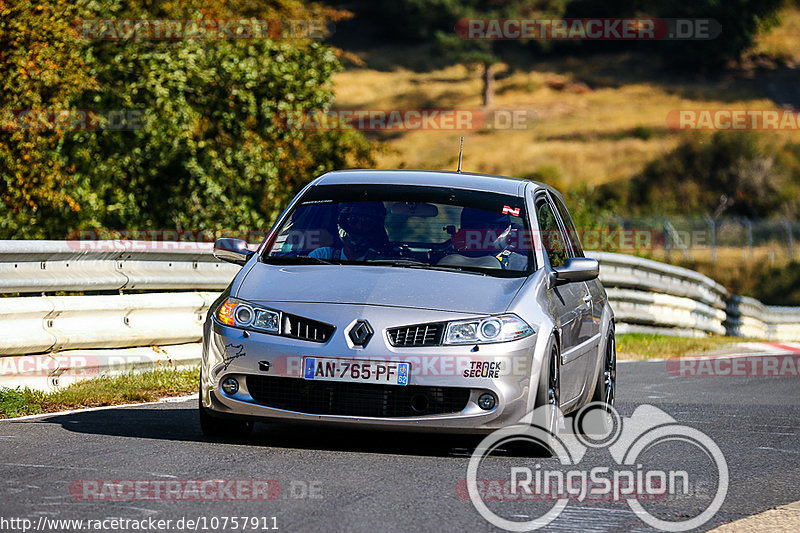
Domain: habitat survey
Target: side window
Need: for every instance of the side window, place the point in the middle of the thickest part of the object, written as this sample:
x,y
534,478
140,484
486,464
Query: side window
x,y
552,237
570,226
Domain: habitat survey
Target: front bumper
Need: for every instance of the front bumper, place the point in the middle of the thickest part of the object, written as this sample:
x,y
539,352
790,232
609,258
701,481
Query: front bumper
x,y
230,352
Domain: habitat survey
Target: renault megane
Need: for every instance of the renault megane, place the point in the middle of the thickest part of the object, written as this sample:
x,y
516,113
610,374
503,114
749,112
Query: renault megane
x,y
414,300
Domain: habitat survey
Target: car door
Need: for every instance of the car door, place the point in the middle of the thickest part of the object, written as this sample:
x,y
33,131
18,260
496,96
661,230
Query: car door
x,y
592,298
591,325
565,301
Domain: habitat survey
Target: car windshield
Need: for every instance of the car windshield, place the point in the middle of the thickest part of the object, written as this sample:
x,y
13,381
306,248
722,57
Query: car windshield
x,y
406,226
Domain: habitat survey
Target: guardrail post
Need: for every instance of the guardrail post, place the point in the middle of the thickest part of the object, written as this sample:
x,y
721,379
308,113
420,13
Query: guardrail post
x,y
749,225
712,229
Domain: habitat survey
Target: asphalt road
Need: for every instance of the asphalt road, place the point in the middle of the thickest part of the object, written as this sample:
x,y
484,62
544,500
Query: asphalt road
x,y
336,480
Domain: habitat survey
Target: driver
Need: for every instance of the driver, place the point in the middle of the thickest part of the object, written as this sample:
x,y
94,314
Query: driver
x,y
361,232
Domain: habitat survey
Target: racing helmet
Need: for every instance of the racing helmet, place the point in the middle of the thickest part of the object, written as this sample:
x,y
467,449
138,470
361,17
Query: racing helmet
x,y
482,230
361,225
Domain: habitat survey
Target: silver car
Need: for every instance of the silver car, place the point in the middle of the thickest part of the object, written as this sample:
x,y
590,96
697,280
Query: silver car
x,y
411,300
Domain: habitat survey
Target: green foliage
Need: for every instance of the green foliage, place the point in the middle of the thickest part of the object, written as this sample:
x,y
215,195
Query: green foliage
x,y
41,69
779,285
643,346
735,173
589,210
433,21
213,152
205,148
741,20
485,51
19,402
129,387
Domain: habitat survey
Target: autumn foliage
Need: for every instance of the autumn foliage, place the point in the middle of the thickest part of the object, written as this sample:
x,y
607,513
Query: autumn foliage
x,y
201,148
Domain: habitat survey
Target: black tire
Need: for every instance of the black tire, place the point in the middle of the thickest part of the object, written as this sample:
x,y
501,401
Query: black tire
x,y
549,393
606,387
214,427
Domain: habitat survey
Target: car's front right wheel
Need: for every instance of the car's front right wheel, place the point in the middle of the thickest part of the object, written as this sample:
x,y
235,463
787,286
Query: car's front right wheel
x,y
548,398
606,387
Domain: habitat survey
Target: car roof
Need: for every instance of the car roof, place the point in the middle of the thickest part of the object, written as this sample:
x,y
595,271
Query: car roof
x,y
433,178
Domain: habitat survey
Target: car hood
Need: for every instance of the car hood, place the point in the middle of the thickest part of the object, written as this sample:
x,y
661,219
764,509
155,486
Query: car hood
x,y
379,285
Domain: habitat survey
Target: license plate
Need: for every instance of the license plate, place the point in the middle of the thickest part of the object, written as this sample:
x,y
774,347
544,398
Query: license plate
x,y
356,370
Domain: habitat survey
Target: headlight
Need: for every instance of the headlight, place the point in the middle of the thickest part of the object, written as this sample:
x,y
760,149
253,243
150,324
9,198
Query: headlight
x,y
242,314
500,328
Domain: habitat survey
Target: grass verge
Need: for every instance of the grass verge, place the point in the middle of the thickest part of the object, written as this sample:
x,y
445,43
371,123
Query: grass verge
x,y
152,385
131,387
643,346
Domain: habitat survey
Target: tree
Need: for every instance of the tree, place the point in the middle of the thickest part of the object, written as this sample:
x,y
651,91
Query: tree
x,y
741,21
201,146
738,173
435,21
484,52
41,71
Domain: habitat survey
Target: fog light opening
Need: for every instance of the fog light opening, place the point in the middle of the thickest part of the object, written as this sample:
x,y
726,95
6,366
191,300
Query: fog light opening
x,y
419,403
487,401
230,386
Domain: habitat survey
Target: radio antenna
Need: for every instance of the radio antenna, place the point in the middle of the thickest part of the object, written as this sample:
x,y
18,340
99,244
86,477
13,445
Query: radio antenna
x,y
460,154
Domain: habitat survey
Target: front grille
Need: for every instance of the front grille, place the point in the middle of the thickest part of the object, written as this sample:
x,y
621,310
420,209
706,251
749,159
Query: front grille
x,y
355,399
418,335
298,327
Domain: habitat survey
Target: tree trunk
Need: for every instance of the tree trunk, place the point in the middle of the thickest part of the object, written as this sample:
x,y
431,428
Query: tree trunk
x,y
488,84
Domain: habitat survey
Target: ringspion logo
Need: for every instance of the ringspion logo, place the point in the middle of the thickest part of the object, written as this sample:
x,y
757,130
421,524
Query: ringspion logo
x,y
644,469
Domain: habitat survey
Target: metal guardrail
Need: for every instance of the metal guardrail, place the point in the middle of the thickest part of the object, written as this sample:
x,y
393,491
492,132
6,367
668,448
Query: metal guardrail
x,y
83,266
650,296
645,295
748,317
55,323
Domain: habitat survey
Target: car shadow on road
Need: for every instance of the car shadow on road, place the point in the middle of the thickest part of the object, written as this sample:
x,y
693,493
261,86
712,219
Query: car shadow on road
x,y
181,424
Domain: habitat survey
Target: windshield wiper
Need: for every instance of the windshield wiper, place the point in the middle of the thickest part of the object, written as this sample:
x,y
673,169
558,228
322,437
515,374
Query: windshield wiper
x,y
413,263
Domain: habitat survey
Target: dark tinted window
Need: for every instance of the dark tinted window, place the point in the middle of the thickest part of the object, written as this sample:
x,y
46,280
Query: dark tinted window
x,y
413,226
552,237
571,233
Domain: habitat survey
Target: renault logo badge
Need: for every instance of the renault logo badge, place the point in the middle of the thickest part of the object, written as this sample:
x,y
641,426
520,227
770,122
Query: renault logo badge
x,y
361,333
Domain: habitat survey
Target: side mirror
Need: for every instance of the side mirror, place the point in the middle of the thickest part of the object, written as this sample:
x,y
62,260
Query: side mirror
x,y
576,269
232,250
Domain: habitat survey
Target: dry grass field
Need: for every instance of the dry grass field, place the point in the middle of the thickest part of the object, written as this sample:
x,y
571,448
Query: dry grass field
x,y
599,119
